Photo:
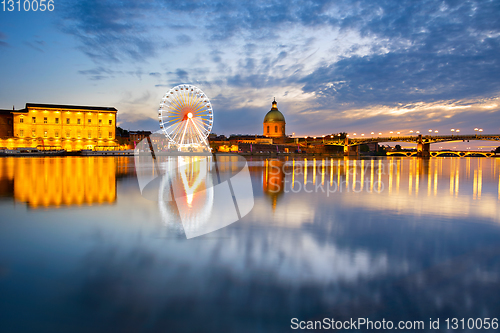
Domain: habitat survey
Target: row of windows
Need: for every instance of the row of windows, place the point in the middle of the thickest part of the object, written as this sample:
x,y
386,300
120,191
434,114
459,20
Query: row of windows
x,y
68,134
78,121
275,129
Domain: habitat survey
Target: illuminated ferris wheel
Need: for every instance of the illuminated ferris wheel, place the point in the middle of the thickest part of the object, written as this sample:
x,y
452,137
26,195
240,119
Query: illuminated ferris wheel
x,y
186,115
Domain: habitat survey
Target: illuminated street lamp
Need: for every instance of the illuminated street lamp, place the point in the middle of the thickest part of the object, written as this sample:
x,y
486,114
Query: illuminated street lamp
x,y
436,131
453,130
353,133
363,134
480,130
411,131
430,131
399,133
457,131
380,134
372,133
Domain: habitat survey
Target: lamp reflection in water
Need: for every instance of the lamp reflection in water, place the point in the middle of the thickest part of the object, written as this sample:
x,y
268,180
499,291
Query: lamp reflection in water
x,y
437,184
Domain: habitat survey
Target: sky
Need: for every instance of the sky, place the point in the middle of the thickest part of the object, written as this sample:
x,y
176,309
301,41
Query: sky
x,y
355,66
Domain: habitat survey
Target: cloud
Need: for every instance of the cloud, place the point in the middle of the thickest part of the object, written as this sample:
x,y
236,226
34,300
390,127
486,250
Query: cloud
x,y
4,37
99,73
338,61
112,31
36,45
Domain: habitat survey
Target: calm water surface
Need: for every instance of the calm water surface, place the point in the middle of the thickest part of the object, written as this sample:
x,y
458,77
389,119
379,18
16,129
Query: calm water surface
x,y
82,250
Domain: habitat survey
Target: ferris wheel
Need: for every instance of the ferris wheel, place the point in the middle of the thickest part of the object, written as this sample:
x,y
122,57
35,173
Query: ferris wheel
x,y
186,115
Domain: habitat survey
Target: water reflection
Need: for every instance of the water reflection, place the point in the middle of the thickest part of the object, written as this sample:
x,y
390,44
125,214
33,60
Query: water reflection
x,y
424,186
400,239
55,182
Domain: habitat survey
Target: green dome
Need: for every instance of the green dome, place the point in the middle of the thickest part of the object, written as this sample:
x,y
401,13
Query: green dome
x,y
274,115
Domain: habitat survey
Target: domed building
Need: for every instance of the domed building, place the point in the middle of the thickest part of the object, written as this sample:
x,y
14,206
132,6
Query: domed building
x,y
274,123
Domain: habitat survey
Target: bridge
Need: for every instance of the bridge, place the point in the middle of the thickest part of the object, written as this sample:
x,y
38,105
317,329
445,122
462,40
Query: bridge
x,y
468,153
351,145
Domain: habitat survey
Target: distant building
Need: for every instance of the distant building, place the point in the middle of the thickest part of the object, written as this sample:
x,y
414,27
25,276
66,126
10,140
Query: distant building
x,y
274,124
69,127
138,136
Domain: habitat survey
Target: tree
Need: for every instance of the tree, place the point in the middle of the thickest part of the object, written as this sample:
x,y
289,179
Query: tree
x,y
497,150
398,147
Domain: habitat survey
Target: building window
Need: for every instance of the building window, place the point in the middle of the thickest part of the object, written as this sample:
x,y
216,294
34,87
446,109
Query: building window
x,y
110,135
21,120
79,134
90,135
33,133
100,122
33,120
56,133
100,135
45,134
276,129
110,122
21,132
44,120
9,121
78,121
267,129
57,120
90,121
67,121
67,135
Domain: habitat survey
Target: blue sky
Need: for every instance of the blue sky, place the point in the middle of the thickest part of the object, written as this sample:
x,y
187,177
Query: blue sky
x,y
354,66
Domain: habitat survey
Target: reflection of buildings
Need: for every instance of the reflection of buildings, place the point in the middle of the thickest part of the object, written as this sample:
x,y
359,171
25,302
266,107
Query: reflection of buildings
x,y
273,182
392,176
67,127
47,182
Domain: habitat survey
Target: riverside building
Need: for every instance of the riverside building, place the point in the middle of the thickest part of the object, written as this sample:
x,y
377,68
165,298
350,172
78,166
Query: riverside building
x,y
49,126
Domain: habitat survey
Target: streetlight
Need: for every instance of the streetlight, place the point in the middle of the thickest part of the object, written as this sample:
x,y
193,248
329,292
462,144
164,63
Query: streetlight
x,y
363,134
480,130
430,131
411,131
353,133
418,132
372,133
380,134
436,131
399,132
